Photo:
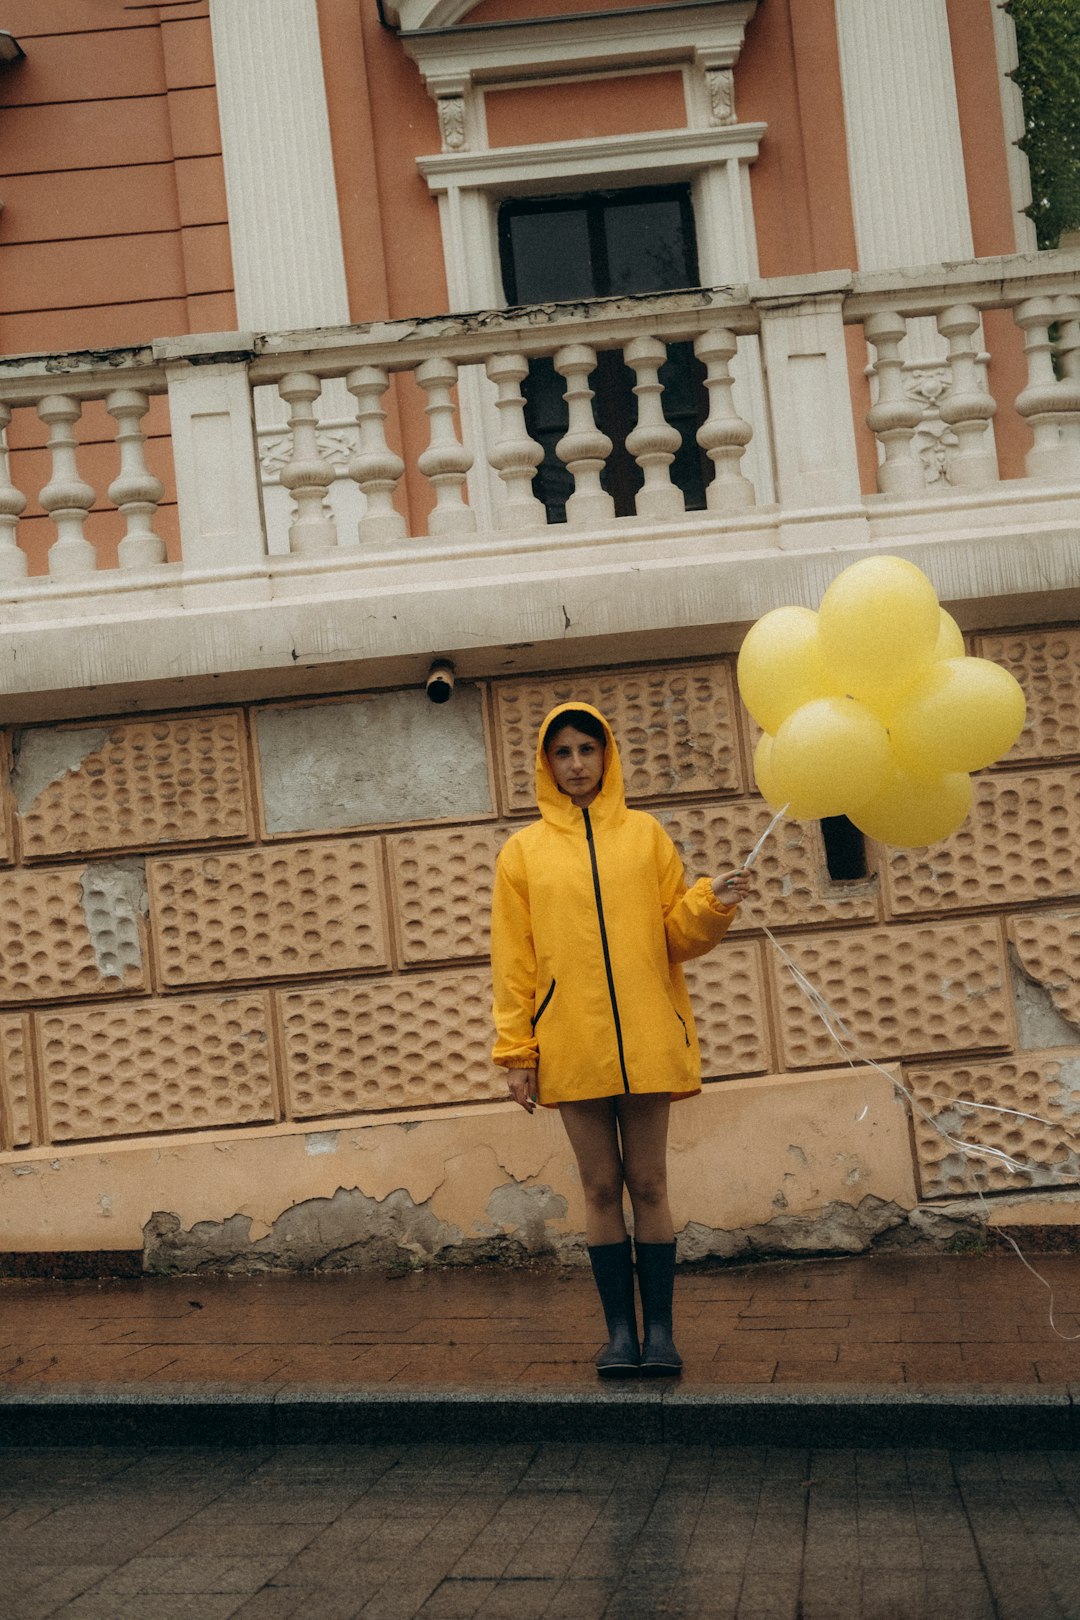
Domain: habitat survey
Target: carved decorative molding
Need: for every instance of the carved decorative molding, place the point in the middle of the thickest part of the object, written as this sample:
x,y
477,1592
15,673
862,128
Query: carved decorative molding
x,y
720,88
336,445
452,123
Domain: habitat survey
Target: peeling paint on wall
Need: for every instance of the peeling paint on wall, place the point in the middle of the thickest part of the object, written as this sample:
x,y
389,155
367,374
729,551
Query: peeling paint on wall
x,y
114,897
45,756
836,1229
1039,1023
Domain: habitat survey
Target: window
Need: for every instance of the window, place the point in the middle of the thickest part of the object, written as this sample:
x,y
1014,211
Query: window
x,y
600,245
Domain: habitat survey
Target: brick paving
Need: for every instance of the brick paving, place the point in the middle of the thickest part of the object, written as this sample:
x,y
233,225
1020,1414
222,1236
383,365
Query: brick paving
x,y
880,1321
563,1532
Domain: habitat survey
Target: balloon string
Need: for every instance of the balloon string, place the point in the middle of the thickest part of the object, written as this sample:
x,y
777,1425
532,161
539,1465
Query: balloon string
x,y
853,1055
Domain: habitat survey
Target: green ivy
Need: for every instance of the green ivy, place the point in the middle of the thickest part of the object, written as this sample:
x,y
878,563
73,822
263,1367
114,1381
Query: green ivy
x,y
1048,44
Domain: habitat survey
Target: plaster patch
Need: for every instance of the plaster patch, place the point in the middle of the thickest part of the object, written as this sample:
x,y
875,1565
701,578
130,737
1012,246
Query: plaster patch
x,y
47,756
390,757
1039,1023
524,1212
114,898
321,1142
835,1229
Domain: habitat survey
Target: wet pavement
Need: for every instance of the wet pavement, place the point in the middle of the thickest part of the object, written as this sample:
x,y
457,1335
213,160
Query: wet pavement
x,y
560,1531
882,1348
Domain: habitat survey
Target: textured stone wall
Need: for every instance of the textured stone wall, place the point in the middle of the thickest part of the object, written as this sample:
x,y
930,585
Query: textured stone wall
x,y
242,918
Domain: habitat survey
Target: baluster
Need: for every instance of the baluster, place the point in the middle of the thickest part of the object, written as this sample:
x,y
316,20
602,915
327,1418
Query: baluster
x,y
66,498
1068,348
12,503
135,493
445,462
516,456
724,435
653,442
1039,402
895,416
375,467
307,476
583,448
967,407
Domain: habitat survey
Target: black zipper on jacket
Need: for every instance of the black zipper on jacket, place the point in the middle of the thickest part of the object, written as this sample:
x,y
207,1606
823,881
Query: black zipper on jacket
x,y
604,943
539,1013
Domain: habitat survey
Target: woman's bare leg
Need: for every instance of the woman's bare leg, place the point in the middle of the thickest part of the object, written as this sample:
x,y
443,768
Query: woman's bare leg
x,y
643,1127
594,1137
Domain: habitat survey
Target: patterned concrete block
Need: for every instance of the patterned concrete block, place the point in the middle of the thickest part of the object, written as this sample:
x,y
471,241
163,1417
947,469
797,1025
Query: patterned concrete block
x,y
71,931
792,879
266,913
7,803
441,885
154,1066
914,991
727,989
675,728
132,784
15,1104
1043,1084
373,760
1019,844
1047,945
379,1044
1047,665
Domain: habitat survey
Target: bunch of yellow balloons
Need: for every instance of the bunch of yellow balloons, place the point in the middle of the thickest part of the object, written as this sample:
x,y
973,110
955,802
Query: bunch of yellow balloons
x,y
871,708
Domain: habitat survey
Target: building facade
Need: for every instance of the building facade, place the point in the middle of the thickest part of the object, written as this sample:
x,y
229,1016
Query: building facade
x,y
558,342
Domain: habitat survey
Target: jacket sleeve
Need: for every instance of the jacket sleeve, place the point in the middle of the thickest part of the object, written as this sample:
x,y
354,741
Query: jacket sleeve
x,y
694,919
513,965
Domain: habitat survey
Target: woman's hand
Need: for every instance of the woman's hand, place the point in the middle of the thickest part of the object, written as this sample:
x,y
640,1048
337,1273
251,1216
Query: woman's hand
x,y
731,887
522,1087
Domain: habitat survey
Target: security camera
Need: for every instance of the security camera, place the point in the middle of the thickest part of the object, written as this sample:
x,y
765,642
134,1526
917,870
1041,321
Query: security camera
x,y
440,681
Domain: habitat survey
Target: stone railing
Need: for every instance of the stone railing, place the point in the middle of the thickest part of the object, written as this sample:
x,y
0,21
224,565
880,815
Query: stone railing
x,y
287,448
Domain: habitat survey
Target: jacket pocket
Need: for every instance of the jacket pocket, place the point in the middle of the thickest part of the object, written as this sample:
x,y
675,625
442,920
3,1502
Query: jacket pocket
x,y
542,1009
682,1021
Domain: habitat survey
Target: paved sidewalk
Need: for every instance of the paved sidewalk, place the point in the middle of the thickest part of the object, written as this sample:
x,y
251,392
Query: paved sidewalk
x,y
886,1348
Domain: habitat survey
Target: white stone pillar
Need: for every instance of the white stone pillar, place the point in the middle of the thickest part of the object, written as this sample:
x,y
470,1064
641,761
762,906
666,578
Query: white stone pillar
x,y
284,228
806,366
217,487
908,191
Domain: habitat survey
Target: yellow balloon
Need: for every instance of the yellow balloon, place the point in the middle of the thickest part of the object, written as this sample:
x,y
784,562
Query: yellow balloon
x,y
910,814
950,641
961,715
829,757
780,665
766,782
878,624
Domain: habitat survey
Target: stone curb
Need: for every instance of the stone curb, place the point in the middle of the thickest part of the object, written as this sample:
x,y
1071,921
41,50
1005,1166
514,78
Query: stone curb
x,y
227,1414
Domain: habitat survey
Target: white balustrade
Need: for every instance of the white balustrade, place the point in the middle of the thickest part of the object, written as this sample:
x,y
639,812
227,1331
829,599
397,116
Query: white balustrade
x,y
307,475
652,442
66,497
13,563
136,493
515,456
583,448
724,435
1068,350
375,467
895,415
968,407
445,462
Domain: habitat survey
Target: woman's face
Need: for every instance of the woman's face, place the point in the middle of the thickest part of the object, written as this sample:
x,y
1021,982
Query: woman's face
x,y
577,764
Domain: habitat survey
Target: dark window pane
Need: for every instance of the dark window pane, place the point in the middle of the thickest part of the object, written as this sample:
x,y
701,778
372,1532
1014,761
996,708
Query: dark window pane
x,y
550,255
647,250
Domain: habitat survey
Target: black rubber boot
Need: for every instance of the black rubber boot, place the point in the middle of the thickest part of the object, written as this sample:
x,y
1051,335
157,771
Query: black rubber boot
x,y
656,1279
613,1270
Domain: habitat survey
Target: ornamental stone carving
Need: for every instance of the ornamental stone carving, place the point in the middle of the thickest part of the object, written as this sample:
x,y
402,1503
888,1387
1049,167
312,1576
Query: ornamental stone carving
x,y
452,123
720,87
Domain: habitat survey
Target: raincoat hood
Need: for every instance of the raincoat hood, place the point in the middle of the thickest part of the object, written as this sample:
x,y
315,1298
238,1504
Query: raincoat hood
x,y
556,807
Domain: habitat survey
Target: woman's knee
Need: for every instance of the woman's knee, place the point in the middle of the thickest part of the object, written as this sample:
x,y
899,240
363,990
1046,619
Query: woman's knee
x,y
603,1192
648,1188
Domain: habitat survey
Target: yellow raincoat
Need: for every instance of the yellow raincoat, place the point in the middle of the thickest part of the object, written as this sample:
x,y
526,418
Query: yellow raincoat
x,y
591,917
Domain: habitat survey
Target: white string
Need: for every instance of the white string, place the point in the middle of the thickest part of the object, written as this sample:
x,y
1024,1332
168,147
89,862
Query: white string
x,y
855,1056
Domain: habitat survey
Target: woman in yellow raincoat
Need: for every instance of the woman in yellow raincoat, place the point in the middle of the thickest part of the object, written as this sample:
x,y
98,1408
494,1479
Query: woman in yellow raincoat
x,y
591,917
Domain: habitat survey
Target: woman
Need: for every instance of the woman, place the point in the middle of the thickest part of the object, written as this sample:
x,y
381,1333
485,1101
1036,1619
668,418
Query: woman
x,y
591,917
